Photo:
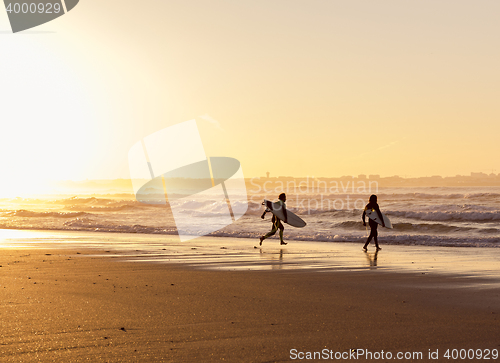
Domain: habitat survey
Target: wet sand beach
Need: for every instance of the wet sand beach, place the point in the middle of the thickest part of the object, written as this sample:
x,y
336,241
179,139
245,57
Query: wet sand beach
x,y
80,303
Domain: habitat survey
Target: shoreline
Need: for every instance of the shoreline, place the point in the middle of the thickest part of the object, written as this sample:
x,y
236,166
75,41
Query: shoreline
x,y
390,237
225,253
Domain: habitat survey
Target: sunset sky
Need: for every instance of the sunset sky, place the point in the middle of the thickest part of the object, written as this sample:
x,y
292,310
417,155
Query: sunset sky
x,y
296,88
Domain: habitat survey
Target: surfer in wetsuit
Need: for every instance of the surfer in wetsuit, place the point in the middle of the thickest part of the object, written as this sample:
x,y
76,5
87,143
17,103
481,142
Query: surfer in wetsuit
x,y
373,225
276,221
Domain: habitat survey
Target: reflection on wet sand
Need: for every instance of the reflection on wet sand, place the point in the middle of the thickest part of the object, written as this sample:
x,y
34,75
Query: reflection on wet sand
x,y
241,253
275,264
372,258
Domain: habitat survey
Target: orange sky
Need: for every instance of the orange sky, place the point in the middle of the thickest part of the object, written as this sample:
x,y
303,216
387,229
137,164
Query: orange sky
x,y
319,88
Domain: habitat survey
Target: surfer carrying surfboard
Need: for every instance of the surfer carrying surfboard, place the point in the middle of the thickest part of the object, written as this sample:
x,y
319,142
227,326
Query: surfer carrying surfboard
x,y
276,221
372,206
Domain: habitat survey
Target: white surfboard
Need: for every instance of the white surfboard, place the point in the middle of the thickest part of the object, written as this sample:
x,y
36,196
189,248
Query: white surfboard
x,y
292,219
373,215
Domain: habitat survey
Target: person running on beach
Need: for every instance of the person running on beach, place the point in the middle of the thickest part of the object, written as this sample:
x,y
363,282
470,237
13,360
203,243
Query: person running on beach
x,y
373,225
276,221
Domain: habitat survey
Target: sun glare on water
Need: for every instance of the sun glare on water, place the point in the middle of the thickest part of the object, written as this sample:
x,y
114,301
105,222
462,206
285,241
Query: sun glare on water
x,y
29,188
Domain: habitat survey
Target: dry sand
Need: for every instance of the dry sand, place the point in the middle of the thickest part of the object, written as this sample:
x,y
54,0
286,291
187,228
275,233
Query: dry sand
x,y
76,305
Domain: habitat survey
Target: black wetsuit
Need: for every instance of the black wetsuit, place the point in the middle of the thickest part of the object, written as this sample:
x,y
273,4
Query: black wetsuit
x,y
372,223
277,225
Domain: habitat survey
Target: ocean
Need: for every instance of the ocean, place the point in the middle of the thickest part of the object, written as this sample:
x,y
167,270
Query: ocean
x,y
429,216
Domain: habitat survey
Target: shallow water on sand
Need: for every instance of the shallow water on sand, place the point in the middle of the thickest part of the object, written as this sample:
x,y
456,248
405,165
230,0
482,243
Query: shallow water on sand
x,y
246,254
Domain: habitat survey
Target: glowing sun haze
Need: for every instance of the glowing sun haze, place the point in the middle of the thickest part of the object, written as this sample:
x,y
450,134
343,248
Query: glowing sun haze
x,y
323,88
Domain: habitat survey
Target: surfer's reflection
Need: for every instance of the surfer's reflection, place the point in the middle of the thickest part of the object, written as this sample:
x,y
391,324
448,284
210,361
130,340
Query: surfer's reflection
x,y
372,258
276,264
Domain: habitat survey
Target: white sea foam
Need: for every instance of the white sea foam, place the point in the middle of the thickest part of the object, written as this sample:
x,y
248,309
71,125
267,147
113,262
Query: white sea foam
x,y
425,216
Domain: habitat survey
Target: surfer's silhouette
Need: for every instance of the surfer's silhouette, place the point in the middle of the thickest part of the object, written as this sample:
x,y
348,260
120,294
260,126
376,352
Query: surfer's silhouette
x,y
276,221
373,225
